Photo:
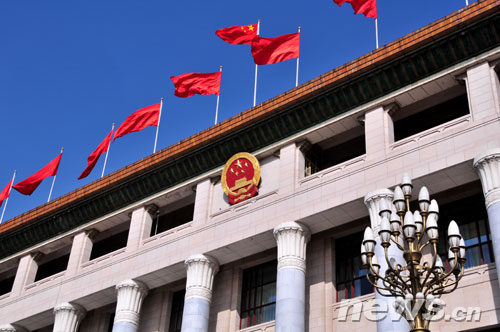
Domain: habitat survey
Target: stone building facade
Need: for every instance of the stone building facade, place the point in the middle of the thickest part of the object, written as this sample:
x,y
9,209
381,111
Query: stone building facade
x,y
157,247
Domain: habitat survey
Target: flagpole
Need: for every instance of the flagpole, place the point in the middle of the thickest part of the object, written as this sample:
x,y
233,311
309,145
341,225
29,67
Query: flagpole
x,y
7,200
297,74
218,97
158,126
256,69
107,151
376,31
53,181
466,2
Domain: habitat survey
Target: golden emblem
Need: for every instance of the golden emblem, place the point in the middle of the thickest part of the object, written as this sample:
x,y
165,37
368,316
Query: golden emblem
x,y
241,177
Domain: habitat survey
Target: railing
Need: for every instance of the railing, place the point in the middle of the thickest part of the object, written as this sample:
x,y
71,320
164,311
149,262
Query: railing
x,y
264,327
45,280
103,258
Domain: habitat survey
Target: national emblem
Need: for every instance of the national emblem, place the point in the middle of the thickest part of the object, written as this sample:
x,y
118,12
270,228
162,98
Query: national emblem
x,y
240,177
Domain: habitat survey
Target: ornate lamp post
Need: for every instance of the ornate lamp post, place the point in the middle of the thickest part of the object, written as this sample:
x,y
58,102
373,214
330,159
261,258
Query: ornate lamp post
x,y
420,282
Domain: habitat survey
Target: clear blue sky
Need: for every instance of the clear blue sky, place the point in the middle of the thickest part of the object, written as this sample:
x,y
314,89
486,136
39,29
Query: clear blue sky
x,y
68,69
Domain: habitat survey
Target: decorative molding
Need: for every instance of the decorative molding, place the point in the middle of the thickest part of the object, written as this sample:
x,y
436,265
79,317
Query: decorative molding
x,y
372,200
130,295
68,316
292,238
487,167
201,270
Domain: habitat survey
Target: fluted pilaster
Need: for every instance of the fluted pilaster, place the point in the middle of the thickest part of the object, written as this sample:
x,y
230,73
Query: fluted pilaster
x,y
130,294
488,168
68,317
372,201
292,238
201,270
12,328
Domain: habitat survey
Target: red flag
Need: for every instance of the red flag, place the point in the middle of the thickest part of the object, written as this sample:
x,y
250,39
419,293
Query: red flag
x,y
238,34
189,84
365,7
267,51
137,121
94,156
5,192
28,186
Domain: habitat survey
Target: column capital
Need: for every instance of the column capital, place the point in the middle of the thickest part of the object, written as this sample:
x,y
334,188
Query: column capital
x,y
68,316
292,238
12,328
487,166
130,294
372,200
201,270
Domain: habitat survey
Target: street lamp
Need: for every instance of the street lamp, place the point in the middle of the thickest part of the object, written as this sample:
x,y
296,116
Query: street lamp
x,y
422,280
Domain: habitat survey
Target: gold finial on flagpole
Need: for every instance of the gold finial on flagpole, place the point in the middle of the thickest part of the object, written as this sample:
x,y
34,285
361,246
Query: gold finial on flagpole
x,y
15,171
62,149
161,98
220,68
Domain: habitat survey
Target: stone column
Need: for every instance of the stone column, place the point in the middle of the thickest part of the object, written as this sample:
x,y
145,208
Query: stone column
x,y
201,270
202,201
481,91
288,168
387,320
141,222
68,317
80,251
26,273
292,239
130,295
379,132
487,166
12,328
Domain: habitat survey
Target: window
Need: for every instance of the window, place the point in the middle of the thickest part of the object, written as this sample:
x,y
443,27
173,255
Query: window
x,y
7,281
334,151
408,122
111,322
51,267
472,219
350,280
105,243
177,311
169,220
258,300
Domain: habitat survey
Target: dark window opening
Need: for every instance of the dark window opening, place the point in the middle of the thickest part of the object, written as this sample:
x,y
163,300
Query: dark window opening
x,y
431,117
177,310
111,322
52,267
350,277
258,300
318,158
7,281
471,216
162,223
109,244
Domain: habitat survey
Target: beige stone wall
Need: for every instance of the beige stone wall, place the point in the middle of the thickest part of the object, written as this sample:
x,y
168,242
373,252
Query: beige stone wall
x,y
440,158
